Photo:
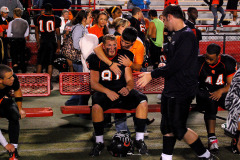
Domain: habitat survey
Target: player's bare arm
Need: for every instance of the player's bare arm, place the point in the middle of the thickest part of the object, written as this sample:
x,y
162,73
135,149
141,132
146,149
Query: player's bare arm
x,y
112,65
218,94
95,85
130,83
58,40
18,94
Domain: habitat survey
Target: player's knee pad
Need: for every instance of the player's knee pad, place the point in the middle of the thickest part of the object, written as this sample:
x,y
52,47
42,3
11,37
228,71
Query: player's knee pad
x,y
165,129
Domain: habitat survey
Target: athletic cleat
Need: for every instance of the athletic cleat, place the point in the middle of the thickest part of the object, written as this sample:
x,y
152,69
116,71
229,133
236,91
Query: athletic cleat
x,y
234,146
213,144
141,147
12,156
97,149
212,157
215,32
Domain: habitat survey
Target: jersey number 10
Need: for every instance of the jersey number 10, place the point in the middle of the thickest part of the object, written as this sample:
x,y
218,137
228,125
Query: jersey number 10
x,y
49,26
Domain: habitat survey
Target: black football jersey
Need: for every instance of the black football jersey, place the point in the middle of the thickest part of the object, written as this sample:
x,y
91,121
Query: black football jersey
x,y
106,77
47,25
212,78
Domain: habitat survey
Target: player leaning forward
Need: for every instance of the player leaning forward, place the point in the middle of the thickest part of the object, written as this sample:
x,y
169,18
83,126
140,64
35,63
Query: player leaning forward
x,y
180,73
9,109
115,91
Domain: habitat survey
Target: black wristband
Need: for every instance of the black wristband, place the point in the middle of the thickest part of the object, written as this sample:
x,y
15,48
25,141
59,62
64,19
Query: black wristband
x,y
111,64
18,99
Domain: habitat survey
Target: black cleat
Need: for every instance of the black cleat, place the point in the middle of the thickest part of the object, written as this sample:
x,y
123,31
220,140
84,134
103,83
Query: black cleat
x,y
141,146
96,150
234,146
212,157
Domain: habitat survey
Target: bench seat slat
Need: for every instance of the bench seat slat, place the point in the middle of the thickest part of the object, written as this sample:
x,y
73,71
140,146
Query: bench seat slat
x,y
38,112
86,109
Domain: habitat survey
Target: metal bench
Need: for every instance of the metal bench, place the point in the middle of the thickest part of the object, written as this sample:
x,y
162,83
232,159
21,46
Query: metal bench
x,y
79,84
35,85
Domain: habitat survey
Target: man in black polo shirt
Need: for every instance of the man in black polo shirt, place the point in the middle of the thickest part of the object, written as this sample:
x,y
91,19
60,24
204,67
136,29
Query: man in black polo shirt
x,y
9,109
180,73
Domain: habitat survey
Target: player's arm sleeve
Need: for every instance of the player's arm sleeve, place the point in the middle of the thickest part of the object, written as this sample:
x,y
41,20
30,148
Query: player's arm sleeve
x,y
231,67
92,61
16,84
77,34
3,140
181,56
139,56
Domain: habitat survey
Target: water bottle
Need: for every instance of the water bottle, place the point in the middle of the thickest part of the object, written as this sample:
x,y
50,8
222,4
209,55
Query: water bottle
x,y
9,62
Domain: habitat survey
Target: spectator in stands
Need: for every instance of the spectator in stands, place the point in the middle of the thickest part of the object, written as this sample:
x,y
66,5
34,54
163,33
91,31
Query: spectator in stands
x,y
232,105
18,30
58,4
11,5
94,16
4,20
100,29
114,13
82,19
170,2
214,6
155,35
143,4
64,20
49,26
135,21
9,109
191,22
112,92
232,5
179,91
119,25
215,75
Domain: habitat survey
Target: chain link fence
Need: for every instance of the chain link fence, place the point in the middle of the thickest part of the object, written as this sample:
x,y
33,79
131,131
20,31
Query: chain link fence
x,y
230,44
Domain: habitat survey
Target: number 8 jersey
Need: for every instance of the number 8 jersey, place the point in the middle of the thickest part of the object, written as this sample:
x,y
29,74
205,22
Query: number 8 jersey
x,y
47,25
214,77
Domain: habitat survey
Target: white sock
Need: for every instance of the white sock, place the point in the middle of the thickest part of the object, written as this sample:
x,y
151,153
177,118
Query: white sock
x,y
205,155
99,139
15,145
166,157
139,135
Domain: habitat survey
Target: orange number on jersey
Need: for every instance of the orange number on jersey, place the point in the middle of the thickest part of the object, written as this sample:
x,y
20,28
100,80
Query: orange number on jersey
x,y
162,58
107,75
